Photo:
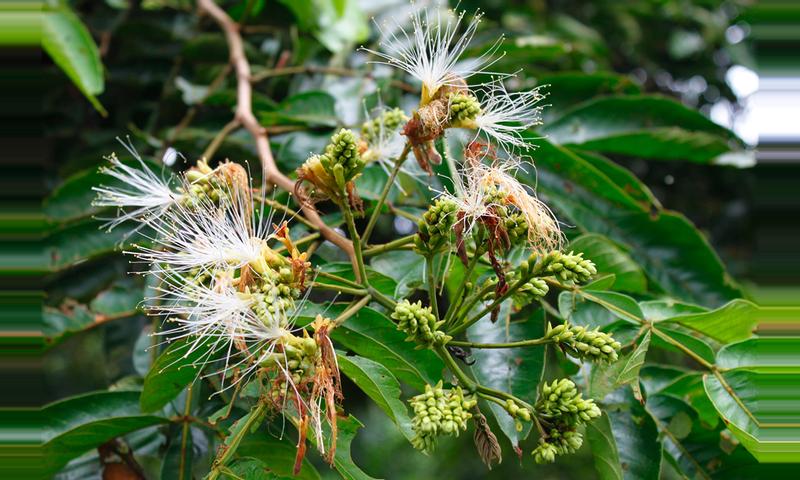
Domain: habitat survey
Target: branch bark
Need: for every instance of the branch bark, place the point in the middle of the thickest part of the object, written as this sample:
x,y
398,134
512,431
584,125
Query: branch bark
x,y
244,114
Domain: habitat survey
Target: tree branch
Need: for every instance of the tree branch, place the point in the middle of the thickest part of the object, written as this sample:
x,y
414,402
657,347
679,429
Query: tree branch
x,y
244,114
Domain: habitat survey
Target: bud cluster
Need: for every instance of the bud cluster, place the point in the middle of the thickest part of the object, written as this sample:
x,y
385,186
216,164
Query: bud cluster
x,y
532,290
439,411
419,324
341,155
567,267
435,227
382,126
333,172
203,185
580,342
518,413
561,409
299,358
464,109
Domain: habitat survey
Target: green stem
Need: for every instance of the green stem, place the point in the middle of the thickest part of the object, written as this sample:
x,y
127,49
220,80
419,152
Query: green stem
x,y
352,309
351,228
522,343
232,443
386,247
373,219
387,302
496,303
501,394
454,308
432,287
359,292
462,377
337,278
187,409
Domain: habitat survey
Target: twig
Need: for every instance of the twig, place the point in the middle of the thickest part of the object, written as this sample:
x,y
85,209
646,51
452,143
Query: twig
x,y
244,114
220,137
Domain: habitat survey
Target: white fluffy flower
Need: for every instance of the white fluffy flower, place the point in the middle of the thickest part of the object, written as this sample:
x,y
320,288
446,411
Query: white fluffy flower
x,y
430,52
141,194
505,116
206,236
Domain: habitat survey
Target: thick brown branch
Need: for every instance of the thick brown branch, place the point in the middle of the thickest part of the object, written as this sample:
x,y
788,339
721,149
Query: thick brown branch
x,y
244,114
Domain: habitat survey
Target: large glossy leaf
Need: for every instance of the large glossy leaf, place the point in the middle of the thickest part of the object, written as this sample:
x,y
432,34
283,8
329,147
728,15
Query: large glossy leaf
x,y
687,338
644,126
565,90
373,335
666,245
623,178
173,370
761,409
765,354
309,108
406,268
72,48
637,442
604,449
78,424
343,461
380,385
84,241
693,449
734,321
633,364
619,307
610,259
517,371
277,453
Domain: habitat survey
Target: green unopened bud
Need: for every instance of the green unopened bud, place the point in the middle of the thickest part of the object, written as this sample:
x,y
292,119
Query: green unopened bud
x,y
439,411
544,453
383,126
341,155
464,109
582,343
419,324
561,401
436,227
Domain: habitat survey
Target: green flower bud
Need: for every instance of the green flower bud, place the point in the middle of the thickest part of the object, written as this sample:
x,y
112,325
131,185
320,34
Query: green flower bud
x,y
341,156
544,453
582,343
436,227
566,267
419,324
560,401
439,411
382,126
464,109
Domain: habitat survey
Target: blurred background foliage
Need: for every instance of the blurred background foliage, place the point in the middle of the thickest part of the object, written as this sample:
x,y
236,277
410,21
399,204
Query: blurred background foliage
x,y
161,75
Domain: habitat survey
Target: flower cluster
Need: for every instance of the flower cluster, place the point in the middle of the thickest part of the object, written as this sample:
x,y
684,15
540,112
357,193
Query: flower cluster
x,y
583,343
419,324
331,174
439,411
435,228
228,282
561,410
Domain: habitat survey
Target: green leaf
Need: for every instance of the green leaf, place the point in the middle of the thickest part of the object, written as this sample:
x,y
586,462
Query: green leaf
x,y
637,442
383,283
734,321
620,306
84,241
72,48
622,178
765,354
120,299
307,108
516,370
337,24
173,370
405,267
695,342
373,335
70,318
380,385
343,460
278,453
666,245
249,468
179,457
761,409
630,372
78,424
642,126
663,309
567,89
604,449
610,259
